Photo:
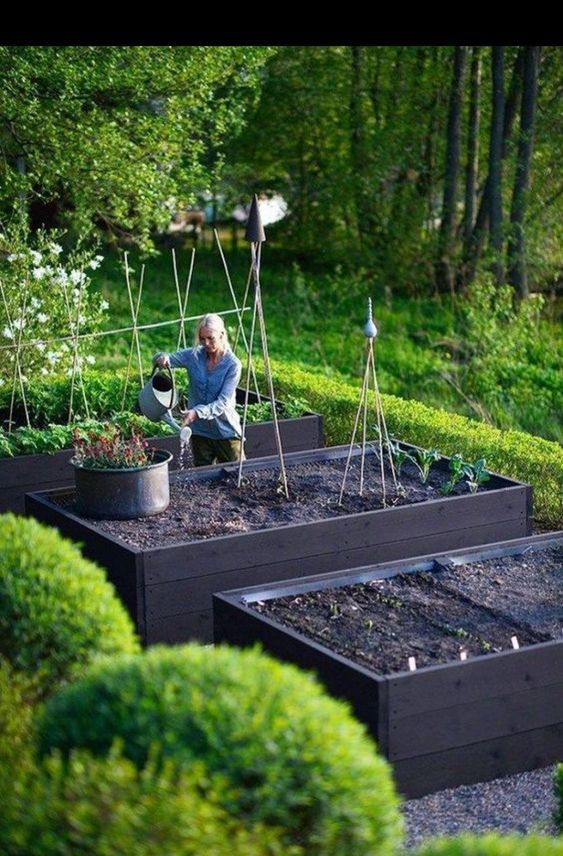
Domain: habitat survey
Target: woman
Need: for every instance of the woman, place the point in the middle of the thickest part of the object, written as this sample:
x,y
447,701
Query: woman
x,y
214,372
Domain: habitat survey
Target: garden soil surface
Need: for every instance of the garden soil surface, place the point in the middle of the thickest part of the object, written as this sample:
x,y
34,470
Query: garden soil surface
x,y
433,615
212,507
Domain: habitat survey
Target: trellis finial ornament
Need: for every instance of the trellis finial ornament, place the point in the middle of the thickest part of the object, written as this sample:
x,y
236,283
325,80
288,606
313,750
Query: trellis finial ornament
x,y
370,330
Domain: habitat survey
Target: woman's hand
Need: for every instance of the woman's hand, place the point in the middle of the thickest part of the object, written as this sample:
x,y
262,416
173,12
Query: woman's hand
x,y
163,361
189,417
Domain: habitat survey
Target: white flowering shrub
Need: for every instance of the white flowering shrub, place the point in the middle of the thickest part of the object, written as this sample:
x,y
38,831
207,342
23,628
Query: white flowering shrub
x,y
44,301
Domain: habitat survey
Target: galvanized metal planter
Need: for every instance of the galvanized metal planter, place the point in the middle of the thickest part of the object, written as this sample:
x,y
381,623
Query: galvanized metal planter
x,y
124,494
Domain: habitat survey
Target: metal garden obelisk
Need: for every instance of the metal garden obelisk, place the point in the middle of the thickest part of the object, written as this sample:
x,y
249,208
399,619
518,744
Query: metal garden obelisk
x,y
255,234
370,332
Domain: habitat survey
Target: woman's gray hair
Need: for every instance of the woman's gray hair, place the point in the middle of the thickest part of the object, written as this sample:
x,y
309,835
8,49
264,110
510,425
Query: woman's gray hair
x,y
213,322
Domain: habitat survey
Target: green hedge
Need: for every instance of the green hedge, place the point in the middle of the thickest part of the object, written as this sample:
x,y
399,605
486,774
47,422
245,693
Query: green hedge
x,y
521,456
558,785
57,610
287,754
493,845
107,807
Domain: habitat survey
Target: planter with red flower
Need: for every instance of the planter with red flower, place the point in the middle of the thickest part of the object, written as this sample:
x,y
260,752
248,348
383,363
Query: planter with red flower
x,y
118,476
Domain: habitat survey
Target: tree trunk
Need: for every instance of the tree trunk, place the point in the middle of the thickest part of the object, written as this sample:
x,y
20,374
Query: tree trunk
x,y
472,168
444,266
517,274
495,163
476,244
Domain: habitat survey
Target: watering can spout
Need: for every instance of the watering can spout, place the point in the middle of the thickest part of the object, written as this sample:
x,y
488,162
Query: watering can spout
x,y
158,395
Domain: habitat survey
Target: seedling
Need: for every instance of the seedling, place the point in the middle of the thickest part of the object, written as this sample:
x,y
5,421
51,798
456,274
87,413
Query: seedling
x,y
477,475
400,457
423,460
458,469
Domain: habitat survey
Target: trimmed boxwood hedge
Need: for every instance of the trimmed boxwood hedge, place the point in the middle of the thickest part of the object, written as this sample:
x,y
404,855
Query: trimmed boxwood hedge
x,y
288,755
105,807
558,785
493,845
515,454
57,610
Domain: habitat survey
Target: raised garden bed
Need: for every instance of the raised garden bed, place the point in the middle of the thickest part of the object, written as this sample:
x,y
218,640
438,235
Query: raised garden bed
x,y
27,473
450,722
166,568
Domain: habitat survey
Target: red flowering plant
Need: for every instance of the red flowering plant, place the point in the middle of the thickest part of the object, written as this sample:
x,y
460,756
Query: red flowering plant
x,y
108,448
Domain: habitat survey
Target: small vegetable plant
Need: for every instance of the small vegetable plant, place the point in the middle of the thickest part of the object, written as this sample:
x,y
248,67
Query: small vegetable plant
x,y
458,469
423,460
477,475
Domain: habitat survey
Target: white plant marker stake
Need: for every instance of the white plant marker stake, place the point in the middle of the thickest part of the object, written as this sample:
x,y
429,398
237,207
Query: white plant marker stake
x,y
412,664
515,642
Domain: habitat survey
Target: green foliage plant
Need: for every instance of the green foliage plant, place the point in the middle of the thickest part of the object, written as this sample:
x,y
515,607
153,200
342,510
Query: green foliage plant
x,y
493,844
108,448
48,297
423,460
477,475
287,754
458,469
102,806
558,787
57,610
515,454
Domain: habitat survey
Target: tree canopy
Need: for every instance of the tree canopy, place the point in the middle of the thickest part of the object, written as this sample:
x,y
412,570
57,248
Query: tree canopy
x,y
108,134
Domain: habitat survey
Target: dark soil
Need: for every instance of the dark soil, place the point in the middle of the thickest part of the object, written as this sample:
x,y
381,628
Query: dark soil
x,y
433,615
210,507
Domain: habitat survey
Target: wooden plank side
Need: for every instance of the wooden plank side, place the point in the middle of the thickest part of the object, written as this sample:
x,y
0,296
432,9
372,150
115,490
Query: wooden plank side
x,y
194,592
356,531
170,597
479,762
239,626
416,693
485,719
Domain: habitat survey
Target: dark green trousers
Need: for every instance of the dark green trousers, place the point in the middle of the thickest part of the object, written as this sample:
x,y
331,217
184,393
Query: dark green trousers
x,y
207,451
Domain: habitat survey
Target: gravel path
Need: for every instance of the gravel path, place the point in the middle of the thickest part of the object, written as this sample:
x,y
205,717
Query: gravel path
x,y
521,803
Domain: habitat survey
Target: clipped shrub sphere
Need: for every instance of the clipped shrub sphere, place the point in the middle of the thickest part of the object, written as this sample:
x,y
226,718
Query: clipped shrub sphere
x,y
494,845
93,806
289,755
57,609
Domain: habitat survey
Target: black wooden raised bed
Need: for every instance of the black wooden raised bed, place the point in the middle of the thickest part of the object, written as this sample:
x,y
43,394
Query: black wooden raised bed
x,y
440,726
168,589
27,473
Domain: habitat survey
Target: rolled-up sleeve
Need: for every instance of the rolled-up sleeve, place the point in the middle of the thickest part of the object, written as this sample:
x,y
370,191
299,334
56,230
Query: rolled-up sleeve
x,y
225,397
178,359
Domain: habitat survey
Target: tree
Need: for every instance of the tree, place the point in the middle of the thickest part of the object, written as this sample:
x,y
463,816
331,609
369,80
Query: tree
x,y
517,274
109,134
444,267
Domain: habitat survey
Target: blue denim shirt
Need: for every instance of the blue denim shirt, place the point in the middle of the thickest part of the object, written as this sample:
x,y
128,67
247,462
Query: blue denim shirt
x,y
212,392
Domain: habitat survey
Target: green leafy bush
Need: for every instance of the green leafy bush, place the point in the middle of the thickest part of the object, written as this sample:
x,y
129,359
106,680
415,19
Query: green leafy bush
x,y
46,294
289,755
57,610
17,694
558,785
493,845
104,807
524,457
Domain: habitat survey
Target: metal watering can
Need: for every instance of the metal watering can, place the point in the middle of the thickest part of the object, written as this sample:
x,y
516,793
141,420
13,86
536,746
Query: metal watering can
x,y
158,395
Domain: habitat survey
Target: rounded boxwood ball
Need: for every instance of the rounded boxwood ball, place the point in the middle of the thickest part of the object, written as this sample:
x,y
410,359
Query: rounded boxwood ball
x,y
57,609
289,755
493,845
